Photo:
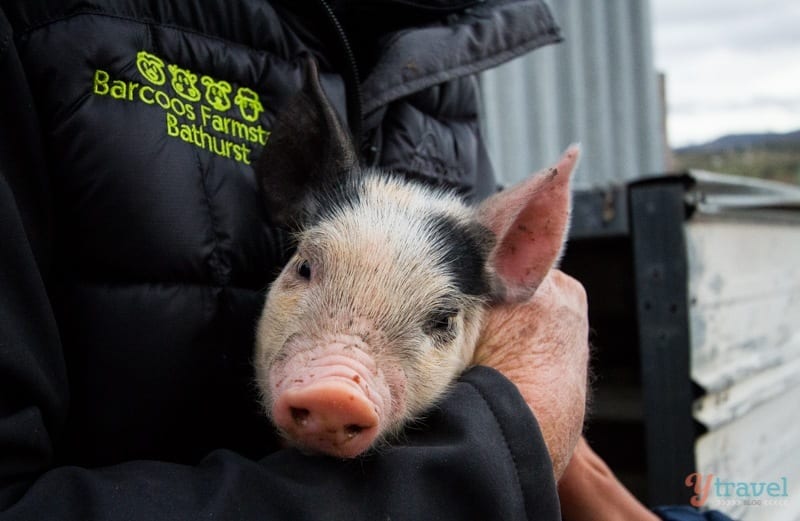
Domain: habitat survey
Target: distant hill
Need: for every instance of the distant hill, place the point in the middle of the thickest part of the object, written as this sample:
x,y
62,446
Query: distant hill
x,y
767,156
731,141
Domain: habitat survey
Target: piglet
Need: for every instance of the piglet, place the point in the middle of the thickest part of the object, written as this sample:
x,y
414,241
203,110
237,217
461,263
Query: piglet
x,y
380,307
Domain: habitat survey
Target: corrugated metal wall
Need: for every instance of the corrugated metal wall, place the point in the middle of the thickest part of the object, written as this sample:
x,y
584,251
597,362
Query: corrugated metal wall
x,y
598,87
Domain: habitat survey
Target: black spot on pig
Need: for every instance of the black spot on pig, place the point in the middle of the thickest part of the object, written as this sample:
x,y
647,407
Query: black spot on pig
x,y
465,251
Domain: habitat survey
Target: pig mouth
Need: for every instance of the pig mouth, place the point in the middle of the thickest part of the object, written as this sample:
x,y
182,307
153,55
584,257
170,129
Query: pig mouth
x,y
332,397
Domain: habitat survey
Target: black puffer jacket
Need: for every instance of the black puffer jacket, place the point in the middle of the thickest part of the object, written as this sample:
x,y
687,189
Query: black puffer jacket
x,y
134,255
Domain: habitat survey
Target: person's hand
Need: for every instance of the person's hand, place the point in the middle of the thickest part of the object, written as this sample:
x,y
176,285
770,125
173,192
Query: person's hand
x,y
542,346
588,490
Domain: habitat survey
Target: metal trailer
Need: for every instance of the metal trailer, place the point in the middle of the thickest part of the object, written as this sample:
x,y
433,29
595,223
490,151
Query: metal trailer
x,y
694,290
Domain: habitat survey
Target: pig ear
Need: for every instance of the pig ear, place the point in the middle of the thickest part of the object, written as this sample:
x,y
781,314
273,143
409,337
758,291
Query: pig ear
x,y
308,148
530,223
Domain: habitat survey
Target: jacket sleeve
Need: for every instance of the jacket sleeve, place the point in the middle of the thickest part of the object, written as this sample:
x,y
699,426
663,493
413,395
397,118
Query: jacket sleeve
x,y
479,456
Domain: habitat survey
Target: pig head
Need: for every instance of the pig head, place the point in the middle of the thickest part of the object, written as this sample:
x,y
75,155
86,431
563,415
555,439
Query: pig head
x,y
380,307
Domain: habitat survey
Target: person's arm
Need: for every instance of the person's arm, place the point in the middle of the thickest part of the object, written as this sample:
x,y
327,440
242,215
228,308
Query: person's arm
x,y
589,490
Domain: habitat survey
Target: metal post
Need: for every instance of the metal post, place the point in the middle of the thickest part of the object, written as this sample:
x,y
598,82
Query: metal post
x,y
657,216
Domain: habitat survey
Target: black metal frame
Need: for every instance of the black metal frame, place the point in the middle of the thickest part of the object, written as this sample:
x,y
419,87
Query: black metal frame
x,y
657,218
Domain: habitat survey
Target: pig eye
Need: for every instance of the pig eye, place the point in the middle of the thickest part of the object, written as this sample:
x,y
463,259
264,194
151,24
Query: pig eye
x,y
304,270
441,323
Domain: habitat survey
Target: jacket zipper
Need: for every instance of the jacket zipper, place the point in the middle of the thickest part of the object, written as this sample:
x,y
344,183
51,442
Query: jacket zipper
x,y
352,80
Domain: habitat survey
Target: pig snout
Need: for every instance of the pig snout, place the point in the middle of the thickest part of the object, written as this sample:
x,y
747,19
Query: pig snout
x,y
332,398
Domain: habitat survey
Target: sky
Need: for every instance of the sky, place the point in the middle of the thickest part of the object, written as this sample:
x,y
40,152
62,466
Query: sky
x,y
732,66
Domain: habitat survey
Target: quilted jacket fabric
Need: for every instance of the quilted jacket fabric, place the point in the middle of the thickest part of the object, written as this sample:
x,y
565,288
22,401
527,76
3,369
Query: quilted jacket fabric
x,y
135,254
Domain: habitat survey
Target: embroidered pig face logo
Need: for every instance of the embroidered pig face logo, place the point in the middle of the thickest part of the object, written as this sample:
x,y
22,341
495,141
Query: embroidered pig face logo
x,y
183,83
217,93
248,103
151,67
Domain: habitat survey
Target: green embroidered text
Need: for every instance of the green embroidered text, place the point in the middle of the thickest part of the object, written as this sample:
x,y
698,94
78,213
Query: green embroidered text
x,y
206,119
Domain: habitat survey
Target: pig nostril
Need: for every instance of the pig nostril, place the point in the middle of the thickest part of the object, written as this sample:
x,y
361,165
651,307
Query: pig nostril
x,y
352,430
300,416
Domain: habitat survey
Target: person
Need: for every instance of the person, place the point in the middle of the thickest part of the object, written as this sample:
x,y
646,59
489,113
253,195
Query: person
x,y
135,255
